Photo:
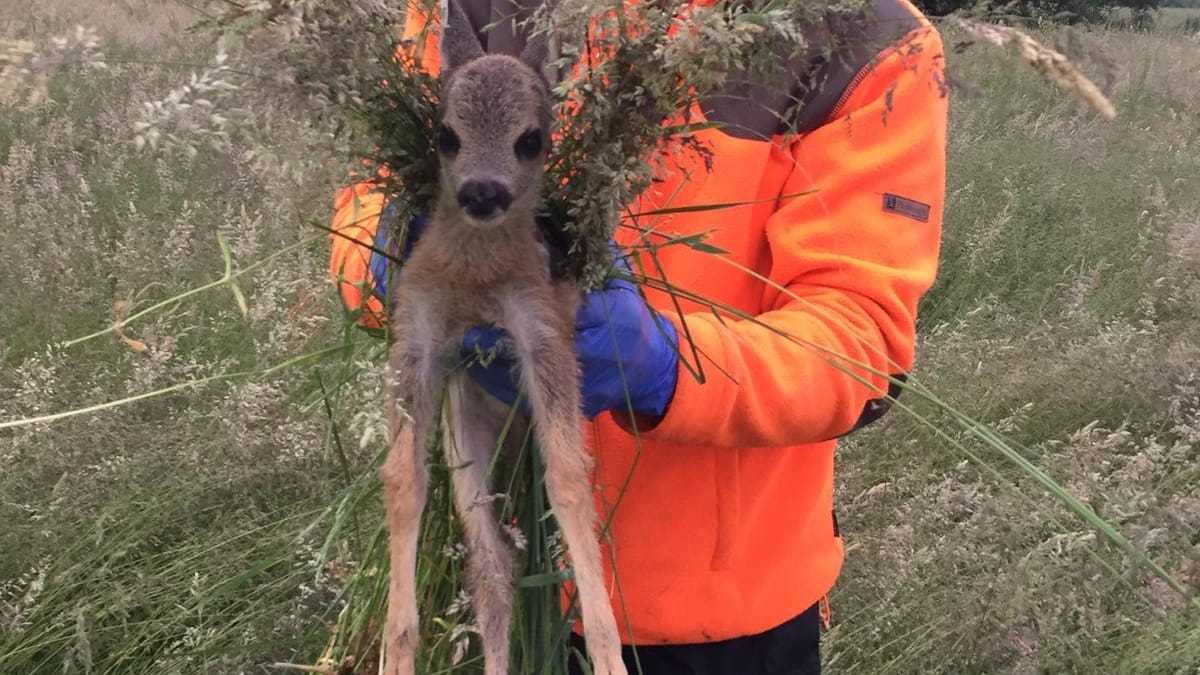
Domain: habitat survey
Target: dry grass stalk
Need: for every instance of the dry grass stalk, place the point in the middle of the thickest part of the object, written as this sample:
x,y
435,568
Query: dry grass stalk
x,y
121,308
1053,65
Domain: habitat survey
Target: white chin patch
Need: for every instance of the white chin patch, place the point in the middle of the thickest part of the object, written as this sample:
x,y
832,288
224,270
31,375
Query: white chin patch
x,y
488,220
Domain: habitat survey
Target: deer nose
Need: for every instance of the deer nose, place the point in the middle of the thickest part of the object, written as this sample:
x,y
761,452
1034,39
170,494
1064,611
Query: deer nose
x,y
484,198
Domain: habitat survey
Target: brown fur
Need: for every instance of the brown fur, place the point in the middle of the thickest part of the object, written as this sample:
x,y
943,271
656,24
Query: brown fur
x,y
465,272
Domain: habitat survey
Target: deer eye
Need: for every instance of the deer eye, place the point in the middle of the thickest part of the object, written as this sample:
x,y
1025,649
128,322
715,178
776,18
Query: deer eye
x,y
446,140
529,145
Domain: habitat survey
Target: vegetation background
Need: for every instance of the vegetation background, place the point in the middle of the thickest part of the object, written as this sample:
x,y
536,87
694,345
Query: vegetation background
x,y
188,533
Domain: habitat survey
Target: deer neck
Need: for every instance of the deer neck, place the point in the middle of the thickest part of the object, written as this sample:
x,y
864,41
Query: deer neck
x,y
484,255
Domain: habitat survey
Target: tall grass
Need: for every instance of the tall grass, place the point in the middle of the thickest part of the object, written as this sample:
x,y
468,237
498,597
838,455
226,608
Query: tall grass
x,y
233,525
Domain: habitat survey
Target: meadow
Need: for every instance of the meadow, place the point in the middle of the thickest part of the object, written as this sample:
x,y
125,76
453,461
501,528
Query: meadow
x,y
190,532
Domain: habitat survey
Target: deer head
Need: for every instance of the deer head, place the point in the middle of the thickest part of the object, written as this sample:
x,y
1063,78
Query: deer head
x,y
493,132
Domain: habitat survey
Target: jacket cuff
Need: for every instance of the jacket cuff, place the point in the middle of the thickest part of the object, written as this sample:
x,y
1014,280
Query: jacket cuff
x,y
696,404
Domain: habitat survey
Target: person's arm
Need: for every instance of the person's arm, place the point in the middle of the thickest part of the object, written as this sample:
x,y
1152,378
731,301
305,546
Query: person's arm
x,y
855,258
356,214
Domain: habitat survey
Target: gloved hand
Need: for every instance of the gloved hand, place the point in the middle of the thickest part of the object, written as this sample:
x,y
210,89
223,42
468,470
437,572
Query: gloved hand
x,y
379,262
623,346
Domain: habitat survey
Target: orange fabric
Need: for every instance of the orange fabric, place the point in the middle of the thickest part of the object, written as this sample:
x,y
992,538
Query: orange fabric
x,y
356,212
357,208
725,524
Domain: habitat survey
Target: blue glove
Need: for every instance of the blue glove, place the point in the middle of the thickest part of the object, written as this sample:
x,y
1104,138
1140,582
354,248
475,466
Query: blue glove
x,y
379,262
613,326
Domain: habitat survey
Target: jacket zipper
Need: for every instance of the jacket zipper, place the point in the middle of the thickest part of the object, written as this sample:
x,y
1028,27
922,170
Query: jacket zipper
x,y
854,82
862,75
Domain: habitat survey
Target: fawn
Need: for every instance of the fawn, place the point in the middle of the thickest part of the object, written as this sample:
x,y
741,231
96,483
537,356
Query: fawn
x,y
479,262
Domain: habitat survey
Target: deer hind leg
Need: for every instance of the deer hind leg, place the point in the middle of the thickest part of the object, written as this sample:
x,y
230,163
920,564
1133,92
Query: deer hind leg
x,y
473,423
550,375
414,387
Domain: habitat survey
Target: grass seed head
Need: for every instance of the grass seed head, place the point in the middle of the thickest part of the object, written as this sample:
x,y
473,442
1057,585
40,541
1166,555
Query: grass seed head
x,y
1053,65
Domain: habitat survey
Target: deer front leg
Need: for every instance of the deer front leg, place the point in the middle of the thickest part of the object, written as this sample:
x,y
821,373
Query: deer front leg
x,y
550,378
473,422
412,405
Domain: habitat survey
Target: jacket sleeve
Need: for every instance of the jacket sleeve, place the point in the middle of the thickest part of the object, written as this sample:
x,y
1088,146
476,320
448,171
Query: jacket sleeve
x,y
855,257
356,213
358,207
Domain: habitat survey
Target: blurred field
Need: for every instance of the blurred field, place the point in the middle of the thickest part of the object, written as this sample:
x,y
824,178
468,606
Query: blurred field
x,y
183,534
1179,18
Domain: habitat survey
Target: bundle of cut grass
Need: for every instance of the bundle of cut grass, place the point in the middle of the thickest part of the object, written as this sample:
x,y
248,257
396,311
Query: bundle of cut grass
x,y
634,78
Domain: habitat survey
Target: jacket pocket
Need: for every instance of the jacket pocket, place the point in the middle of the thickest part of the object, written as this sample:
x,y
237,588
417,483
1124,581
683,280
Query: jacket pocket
x,y
727,475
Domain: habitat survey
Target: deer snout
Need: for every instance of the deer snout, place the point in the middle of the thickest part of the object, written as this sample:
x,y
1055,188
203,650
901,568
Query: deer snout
x,y
484,198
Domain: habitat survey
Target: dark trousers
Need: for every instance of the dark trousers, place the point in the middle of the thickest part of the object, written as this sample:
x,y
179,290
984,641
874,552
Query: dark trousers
x,y
792,648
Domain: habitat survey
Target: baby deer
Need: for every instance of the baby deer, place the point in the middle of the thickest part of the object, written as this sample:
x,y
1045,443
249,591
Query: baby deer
x,y
478,263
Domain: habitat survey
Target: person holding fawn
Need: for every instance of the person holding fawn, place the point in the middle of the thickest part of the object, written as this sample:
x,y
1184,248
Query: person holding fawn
x,y
725,543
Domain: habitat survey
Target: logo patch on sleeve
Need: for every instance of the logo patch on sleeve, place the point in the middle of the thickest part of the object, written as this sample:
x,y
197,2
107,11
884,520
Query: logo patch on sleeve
x,y
906,207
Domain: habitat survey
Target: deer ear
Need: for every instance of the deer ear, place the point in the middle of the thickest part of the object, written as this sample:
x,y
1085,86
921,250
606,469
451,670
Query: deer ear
x,y
458,41
536,53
